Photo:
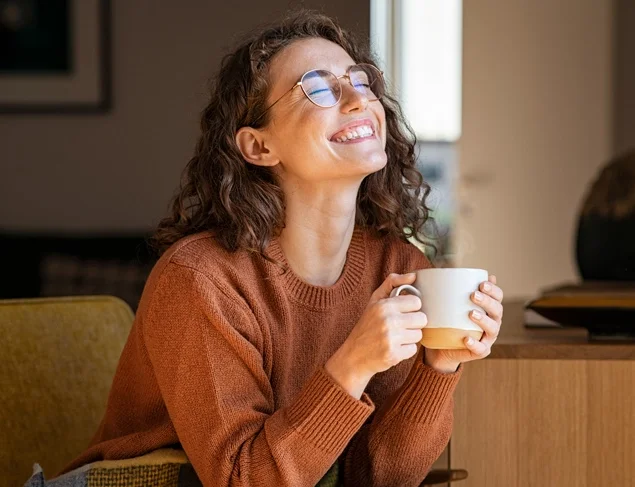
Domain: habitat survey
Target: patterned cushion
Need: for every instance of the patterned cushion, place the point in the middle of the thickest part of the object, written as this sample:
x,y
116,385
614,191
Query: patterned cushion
x,y
161,468
164,468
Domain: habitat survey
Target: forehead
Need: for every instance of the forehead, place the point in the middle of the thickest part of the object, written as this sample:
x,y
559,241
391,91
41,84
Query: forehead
x,y
303,55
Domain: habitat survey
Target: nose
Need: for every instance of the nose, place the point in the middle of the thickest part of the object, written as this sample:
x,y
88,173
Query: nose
x,y
352,100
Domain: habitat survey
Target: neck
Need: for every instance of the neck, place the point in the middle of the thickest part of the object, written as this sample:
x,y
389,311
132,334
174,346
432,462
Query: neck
x,y
319,224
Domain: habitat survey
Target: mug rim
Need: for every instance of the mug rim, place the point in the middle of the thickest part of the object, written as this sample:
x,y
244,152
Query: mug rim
x,y
452,269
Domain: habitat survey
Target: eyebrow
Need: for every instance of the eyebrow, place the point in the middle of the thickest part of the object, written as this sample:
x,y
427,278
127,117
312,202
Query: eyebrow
x,y
324,69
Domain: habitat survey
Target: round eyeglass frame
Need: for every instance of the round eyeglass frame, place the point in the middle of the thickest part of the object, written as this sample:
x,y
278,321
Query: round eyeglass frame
x,y
345,75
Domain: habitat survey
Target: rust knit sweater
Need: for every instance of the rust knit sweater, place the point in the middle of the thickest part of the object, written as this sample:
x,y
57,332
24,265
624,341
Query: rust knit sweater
x,y
226,358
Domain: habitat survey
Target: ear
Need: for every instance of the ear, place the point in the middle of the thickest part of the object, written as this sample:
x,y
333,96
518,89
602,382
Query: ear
x,y
255,148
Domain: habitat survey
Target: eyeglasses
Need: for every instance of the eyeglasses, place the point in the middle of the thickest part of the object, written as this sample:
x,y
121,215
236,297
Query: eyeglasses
x,y
324,89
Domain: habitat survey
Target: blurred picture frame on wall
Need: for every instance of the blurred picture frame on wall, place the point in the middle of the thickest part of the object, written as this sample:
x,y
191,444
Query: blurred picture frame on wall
x,y
55,56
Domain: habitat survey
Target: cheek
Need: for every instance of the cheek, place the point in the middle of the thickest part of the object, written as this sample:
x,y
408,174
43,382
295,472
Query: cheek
x,y
380,114
310,132
305,127
301,144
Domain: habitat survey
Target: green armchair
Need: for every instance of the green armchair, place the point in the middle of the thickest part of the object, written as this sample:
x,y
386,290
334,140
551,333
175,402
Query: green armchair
x,y
58,359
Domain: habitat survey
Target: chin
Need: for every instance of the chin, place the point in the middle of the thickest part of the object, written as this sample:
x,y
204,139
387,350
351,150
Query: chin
x,y
361,171
373,164
359,166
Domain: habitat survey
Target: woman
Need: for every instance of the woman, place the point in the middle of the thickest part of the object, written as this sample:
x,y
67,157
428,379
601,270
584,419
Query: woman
x,y
266,343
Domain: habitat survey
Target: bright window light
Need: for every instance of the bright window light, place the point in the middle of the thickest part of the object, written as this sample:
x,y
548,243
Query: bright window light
x,y
419,46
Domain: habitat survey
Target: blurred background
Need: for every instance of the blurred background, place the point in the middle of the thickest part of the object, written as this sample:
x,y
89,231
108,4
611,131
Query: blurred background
x,y
516,105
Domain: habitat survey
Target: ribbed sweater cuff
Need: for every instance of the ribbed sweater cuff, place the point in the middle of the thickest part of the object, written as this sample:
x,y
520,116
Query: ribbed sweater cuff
x,y
425,393
327,415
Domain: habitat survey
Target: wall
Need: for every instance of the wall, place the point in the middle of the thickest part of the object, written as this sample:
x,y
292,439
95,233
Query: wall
x,y
537,123
118,171
624,69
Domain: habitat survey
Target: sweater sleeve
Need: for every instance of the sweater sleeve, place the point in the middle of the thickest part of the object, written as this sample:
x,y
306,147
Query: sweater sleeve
x,y
407,434
205,352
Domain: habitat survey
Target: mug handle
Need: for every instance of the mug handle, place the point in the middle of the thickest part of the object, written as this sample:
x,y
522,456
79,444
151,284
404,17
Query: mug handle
x,y
405,287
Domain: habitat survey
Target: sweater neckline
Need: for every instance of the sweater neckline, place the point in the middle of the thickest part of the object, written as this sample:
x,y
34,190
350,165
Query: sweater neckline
x,y
321,297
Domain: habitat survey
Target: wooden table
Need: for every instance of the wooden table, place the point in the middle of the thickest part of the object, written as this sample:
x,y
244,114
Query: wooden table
x,y
546,408
516,341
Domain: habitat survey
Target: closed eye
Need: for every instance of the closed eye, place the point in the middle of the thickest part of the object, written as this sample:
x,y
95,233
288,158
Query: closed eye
x,y
318,92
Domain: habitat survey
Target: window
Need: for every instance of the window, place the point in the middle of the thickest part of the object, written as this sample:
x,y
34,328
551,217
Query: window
x,y
418,46
418,43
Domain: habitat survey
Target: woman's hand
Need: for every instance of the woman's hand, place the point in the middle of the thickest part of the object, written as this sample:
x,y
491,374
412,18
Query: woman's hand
x,y
387,333
490,298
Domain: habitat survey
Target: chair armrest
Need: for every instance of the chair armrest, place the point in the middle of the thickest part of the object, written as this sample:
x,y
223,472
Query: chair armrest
x,y
443,476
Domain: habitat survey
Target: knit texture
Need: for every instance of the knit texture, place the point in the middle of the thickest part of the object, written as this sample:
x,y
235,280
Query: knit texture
x,y
226,358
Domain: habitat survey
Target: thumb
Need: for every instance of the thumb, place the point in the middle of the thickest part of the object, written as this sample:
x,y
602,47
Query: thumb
x,y
392,281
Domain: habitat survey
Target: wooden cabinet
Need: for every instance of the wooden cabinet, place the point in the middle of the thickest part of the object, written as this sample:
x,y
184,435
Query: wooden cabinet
x,y
547,408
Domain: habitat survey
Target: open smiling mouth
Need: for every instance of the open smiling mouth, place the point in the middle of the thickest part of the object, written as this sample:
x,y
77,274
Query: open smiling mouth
x,y
354,134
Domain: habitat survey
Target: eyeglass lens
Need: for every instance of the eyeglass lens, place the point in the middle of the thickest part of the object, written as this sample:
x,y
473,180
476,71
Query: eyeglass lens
x,y
324,89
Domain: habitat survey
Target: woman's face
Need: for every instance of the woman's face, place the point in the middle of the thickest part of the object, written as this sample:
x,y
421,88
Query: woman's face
x,y
308,139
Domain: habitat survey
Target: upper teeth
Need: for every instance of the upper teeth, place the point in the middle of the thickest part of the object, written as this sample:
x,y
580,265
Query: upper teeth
x,y
356,133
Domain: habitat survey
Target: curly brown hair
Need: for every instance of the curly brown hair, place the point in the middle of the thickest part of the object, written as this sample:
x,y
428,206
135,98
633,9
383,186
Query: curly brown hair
x,y
242,204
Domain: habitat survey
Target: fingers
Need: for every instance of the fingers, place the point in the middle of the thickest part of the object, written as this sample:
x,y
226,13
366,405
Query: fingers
x,y
405,303
490,327
491,306
413,321
392,281
411,336
408,351
491,289
479,349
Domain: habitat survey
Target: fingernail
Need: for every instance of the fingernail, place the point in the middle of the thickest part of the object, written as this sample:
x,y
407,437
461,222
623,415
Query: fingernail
x,y
487,286
478,296
476,315
470,341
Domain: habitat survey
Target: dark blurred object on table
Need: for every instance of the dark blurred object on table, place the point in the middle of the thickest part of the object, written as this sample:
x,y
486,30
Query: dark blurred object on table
x,y
604,302
605,245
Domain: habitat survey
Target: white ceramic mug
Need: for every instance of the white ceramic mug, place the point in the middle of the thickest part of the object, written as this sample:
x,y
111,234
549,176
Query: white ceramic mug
x,y
445,298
